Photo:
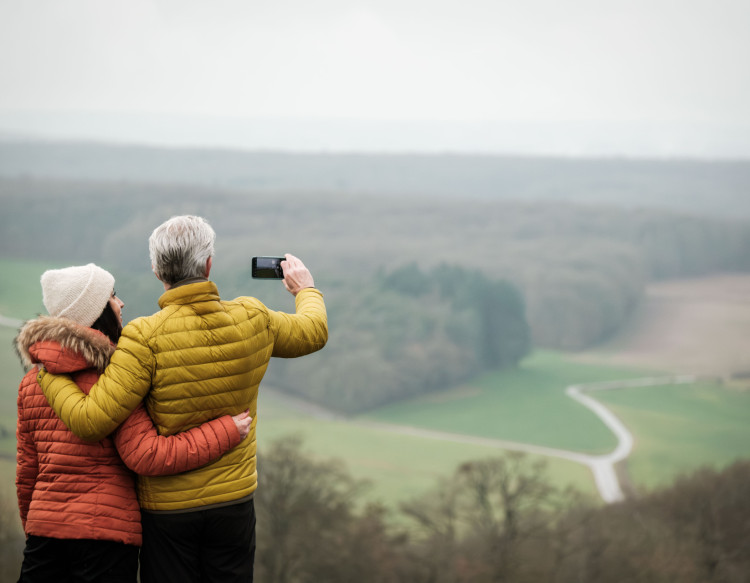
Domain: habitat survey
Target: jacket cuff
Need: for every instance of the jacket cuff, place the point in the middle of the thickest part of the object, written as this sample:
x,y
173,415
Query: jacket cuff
x,y
231,430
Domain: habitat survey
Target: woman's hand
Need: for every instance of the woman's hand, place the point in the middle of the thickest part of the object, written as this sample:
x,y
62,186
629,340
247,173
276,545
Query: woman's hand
x,y
242,422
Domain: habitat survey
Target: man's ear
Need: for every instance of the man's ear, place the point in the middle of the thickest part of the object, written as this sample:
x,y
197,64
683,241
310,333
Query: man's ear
x,y
209,263
166,285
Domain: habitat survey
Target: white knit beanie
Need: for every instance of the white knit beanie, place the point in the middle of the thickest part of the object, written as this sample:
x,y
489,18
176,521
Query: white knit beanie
x,y
78,293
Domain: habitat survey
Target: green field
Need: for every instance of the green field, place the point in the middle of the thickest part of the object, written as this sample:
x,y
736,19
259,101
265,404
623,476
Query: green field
x,y
397,467
20,290
527,404
678,428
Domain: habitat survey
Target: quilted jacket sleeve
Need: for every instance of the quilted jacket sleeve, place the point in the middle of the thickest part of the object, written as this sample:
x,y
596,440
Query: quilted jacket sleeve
x,y
124,384
149,454
27,463
304,332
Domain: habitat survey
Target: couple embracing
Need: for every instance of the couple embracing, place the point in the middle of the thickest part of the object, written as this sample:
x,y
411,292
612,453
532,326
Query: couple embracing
x,y
137,443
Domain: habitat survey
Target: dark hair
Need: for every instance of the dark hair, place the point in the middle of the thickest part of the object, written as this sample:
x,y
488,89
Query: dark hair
x,y
109,324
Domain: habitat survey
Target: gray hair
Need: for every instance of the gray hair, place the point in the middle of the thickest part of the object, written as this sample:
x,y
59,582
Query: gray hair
x,y
180,247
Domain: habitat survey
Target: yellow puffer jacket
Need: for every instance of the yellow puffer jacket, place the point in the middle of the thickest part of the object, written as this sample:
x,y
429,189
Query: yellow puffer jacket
x,y
196,359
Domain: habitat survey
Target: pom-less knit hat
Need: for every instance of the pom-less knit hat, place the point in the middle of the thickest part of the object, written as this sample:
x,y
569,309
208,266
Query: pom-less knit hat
x,y
78,293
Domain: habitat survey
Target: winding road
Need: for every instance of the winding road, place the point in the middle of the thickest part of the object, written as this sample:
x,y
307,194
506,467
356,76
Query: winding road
x,y
602,466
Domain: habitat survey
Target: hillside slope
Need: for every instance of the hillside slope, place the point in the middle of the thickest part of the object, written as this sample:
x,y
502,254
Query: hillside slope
x,y
698,326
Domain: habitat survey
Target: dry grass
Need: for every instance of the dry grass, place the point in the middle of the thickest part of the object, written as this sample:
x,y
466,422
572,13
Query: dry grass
x,y
697,326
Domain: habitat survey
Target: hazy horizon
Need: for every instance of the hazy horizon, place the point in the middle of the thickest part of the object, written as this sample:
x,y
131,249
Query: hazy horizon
x,y
581,78
534,139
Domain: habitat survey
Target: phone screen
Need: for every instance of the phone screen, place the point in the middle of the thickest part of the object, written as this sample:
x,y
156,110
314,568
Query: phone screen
x,y
267,268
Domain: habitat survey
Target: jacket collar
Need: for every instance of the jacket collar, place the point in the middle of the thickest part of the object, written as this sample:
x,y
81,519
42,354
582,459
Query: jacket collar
x,y
62,345
190,293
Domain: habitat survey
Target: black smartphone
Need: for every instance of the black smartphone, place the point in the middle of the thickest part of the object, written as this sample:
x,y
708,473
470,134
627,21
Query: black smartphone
x,y
267,268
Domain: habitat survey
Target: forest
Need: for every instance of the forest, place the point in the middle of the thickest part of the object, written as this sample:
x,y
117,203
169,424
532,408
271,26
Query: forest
x,y
423,291
501,521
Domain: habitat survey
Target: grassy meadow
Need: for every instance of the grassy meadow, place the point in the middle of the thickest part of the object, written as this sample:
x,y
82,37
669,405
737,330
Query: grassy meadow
x,y
527,404
396,467
20,290
680,427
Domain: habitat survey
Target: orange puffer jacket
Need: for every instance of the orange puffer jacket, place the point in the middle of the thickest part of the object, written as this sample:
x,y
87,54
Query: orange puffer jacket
x,y
75,489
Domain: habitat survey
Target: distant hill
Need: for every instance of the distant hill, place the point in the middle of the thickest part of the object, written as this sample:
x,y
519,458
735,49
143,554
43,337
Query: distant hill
x,y
718,188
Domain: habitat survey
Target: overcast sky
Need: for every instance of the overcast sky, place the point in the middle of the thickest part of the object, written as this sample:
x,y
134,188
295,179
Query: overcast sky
x,y
682,64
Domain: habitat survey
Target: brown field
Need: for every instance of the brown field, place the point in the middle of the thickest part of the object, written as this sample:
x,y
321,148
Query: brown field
x,y
692,326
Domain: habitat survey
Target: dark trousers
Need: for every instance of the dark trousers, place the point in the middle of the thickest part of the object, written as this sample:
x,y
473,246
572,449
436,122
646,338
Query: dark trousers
x,y
217,544
78,560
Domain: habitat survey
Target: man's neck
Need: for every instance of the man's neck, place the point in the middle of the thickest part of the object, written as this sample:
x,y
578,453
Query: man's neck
x,y
185,282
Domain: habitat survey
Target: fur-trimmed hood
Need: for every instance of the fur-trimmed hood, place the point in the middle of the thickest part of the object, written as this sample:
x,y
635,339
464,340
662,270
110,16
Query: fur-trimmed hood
x,y
91,346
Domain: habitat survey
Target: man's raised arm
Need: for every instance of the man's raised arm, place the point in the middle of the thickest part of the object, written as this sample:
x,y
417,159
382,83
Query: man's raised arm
x,y
306,330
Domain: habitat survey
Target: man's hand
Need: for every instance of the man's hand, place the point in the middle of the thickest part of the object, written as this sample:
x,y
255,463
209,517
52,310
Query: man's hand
x,y
296,276
243,421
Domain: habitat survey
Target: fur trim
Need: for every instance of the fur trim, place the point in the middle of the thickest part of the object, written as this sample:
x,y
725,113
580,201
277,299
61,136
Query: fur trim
x,y
94,346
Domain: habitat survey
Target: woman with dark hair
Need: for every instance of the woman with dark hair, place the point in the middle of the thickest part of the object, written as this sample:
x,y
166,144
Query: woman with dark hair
x,y
77,498
108,323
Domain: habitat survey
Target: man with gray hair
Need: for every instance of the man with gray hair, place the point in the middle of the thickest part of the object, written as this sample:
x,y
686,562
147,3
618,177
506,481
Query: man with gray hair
x,y
199,357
